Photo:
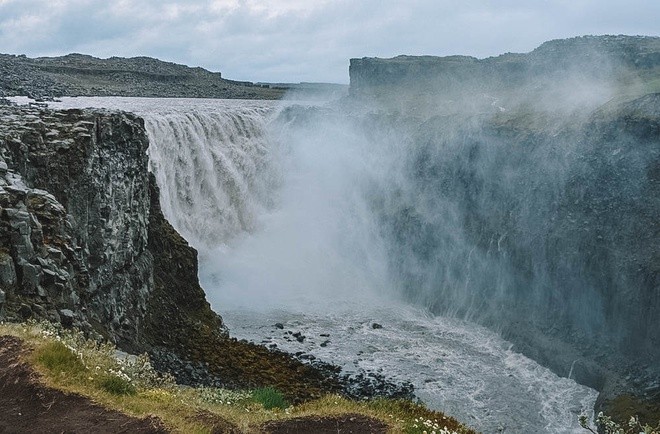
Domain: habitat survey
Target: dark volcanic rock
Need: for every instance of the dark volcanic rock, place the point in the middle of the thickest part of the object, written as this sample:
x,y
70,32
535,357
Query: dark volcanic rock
x,y
77,236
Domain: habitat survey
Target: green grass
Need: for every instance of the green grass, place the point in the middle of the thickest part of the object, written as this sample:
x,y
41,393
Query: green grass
x,y
116,385
270,398
59,359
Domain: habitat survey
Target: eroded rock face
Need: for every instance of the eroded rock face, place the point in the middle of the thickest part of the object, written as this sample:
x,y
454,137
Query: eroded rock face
x,y
75,204
77,235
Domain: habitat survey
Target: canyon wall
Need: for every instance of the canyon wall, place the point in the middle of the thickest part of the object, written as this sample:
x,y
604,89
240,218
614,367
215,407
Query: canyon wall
x,y
531,198
82,230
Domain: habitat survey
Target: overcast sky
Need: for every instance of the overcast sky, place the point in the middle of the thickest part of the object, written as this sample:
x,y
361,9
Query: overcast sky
x,y
306,40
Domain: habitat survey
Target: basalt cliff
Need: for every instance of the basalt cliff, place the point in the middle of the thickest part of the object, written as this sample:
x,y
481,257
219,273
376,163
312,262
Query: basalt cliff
x,y
536,198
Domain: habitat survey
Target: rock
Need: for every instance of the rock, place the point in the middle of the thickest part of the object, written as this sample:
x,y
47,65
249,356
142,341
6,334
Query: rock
x,y
31,277
376,326
7,271
25,311
279,325
80,75
66,317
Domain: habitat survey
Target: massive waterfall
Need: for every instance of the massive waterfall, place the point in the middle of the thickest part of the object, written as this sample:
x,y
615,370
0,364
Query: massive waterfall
x,y
324,222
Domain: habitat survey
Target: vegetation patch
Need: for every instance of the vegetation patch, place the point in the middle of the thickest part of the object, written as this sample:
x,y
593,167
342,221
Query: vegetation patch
x,y
117,385
269,398
59,359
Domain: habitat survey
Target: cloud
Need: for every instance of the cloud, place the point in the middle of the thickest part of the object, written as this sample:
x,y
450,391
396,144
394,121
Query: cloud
x,y
301,40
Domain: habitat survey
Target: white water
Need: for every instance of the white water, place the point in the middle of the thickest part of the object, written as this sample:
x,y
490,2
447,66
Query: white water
x,y
284,236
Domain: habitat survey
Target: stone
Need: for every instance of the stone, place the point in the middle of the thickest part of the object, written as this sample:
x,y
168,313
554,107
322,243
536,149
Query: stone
x,y
25,311
66,317
7,271
376,326
31,277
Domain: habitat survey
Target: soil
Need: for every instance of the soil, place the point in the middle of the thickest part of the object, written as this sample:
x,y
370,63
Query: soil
x,y
28,406
344,424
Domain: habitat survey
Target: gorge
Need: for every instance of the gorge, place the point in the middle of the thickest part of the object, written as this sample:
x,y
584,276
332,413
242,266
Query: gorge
x,y
526,203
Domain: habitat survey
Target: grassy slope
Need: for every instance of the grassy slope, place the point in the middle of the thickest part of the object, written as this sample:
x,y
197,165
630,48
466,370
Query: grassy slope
x,y
68,362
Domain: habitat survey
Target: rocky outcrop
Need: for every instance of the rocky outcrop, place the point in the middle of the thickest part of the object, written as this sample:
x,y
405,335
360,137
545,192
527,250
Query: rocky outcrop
x,y
535,186
82,75
78,236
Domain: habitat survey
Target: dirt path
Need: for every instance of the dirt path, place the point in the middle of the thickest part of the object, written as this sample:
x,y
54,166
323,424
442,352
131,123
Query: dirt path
x,y
27,406
343,424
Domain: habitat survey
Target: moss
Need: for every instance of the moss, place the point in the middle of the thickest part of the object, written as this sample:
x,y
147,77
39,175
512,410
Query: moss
x,y
623,407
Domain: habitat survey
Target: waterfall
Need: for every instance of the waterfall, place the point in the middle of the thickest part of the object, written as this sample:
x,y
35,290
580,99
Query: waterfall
x,y
213,170
328,222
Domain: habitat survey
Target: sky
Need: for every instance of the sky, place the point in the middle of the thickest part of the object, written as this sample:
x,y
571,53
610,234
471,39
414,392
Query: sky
x,y
306,40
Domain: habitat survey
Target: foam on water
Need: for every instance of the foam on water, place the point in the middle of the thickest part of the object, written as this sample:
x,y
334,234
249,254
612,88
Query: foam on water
x,y
460,368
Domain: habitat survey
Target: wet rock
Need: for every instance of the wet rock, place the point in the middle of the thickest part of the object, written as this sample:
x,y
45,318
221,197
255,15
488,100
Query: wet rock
x,y
279,325
376,326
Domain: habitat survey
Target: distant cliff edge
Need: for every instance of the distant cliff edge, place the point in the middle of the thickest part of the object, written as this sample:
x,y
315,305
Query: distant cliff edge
x,y
83,75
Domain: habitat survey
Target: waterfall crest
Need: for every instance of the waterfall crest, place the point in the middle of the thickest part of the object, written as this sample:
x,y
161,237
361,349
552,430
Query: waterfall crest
x,y
213,169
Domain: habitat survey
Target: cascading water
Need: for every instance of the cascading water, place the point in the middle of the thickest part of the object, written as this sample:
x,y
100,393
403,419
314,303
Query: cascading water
x,y
293,213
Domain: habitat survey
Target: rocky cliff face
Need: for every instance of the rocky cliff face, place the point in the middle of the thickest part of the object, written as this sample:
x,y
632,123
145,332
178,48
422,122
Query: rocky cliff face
x,y
78,218
533,199
83,242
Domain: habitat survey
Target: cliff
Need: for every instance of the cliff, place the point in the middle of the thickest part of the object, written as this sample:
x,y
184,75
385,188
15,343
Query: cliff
x,y
533,200
561,72
83,242
83,75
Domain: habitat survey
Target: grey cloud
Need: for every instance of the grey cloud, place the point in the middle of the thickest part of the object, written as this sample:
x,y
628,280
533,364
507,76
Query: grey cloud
x,y
313,42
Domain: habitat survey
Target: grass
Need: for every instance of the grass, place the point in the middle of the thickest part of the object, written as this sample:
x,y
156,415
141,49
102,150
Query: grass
x,y
71,363
269,398
116,385
59,359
